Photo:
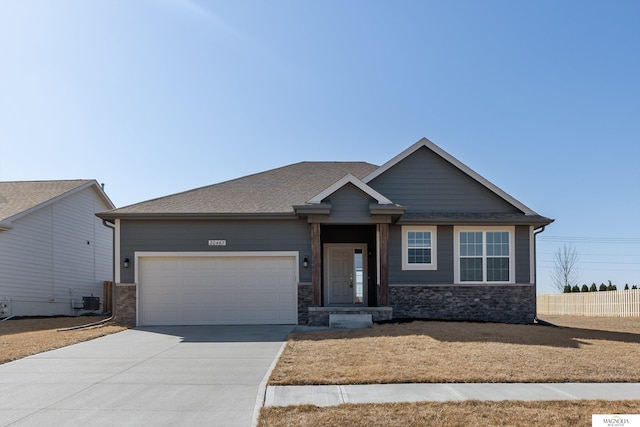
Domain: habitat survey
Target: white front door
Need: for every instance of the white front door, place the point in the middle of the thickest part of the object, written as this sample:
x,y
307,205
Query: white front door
x,y
345,273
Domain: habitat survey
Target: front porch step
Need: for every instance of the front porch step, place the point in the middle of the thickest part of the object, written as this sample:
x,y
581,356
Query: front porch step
x,y
320,316
350,321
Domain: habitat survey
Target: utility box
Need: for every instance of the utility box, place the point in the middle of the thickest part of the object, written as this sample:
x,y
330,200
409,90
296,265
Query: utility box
x,y
91,303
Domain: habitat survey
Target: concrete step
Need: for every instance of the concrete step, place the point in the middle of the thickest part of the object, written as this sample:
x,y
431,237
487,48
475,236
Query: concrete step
x,y
350,321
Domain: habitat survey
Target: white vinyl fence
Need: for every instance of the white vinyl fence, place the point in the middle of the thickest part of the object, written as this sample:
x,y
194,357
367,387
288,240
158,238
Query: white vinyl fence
x,y
604,303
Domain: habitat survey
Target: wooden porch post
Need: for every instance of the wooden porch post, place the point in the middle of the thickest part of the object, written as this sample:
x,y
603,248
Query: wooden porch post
x,y
316,265
383,229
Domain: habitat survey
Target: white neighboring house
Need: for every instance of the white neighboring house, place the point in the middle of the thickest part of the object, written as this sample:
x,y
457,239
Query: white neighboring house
x,y
53,249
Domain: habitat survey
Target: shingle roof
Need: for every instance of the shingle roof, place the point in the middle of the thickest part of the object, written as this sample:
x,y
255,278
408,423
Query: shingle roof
x,y
20,196
272,192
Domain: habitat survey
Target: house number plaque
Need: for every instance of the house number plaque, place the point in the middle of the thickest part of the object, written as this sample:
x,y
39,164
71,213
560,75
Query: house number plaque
x,y
217,243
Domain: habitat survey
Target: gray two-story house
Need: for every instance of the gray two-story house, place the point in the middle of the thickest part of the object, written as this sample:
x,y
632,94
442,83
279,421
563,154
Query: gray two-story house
x,y
422,236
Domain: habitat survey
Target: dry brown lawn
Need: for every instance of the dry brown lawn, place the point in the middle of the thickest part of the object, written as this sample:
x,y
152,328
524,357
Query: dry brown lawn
x,y
612,324
584,350
467,414
23,337
476,348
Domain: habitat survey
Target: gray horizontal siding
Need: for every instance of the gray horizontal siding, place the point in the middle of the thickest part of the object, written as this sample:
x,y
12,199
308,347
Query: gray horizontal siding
x,y
425,182
444,273
290,235
523,254
349,205
191,236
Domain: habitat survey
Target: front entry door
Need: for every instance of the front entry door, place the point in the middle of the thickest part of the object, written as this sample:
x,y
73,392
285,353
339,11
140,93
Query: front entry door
x,y
345,273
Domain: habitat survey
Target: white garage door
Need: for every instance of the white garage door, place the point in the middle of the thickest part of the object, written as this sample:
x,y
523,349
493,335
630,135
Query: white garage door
x,y
217,290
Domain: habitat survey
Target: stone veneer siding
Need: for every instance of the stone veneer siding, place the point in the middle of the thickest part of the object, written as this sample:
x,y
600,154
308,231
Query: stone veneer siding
x,y
125,307
305,299
487,303
125,310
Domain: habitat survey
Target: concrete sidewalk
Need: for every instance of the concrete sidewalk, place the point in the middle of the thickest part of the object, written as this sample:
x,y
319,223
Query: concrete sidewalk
x,y
329,395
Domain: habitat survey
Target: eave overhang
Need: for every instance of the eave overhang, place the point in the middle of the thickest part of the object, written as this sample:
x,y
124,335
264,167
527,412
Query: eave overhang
x,y
322,212
195,216
489,218
312,209
394,210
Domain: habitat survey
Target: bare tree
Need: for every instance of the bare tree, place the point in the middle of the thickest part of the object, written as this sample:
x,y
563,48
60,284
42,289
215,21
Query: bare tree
x,y
565,269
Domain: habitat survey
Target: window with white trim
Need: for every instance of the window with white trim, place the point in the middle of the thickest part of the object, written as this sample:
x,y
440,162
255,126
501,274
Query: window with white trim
x,y
484,255
419,248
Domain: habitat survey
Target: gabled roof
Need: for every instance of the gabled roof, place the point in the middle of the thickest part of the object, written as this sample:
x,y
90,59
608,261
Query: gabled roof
x,y
424,142
269,193
19,198
350,179
300,188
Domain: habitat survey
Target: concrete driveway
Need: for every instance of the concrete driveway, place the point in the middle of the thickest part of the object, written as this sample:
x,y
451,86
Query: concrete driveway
x,y
159,376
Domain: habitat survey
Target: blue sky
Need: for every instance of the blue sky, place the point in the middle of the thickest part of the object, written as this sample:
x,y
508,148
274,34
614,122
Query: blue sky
x,y
156,97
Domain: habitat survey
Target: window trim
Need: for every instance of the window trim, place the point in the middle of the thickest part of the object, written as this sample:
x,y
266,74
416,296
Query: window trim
x,y
433,265
456,254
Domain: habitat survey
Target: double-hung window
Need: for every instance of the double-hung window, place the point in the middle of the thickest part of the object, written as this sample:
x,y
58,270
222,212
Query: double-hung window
x,y
484,255
419,248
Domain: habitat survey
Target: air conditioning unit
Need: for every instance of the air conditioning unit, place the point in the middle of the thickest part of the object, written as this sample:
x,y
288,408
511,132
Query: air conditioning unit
x,y
91,303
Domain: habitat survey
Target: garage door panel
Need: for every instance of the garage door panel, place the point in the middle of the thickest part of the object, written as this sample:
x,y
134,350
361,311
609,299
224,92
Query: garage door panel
x,y
217,290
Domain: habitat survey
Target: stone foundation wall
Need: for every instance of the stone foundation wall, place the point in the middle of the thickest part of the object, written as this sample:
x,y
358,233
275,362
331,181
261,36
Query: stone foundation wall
x,y
125,305
319,316
490,303
305,299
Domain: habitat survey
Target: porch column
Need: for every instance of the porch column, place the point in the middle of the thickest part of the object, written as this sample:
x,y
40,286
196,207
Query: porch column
x,y
383,230
316,265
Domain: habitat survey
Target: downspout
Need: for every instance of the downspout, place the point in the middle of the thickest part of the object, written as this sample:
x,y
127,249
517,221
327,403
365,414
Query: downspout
x,y
113,263
536,231
88,325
